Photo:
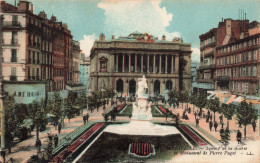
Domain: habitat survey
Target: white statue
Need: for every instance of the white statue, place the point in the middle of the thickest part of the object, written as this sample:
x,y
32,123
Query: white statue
x,y
142,86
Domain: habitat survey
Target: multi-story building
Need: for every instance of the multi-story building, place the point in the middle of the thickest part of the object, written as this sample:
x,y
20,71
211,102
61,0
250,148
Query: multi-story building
x,y
238,65
227,30
84,71
76,61
36,52
118,63
193,69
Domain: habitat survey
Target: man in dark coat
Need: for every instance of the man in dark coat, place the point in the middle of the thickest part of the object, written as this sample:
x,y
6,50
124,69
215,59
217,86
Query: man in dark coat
x,y
87,117
210,125
38,144
215,125
197,122
254,125
239,136
56,140
84,119
59,127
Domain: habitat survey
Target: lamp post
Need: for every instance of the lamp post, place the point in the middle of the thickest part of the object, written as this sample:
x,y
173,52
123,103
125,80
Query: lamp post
x,y
3,150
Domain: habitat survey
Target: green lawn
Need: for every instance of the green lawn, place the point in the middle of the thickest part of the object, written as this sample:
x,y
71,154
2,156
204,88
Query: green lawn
x,y
156,112
126,112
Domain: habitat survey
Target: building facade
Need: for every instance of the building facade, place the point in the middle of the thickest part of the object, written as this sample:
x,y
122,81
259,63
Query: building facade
x,y
118,63
76,61
84,71
227,31
36,53
238,66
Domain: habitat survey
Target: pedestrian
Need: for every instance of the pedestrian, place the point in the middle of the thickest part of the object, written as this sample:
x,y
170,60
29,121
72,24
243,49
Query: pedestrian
x,y
38,144
239,136
208,113
56,140
84,119
207,118
210,117
195,114
87,117
221,119
254,125
215,125
197,122
3,154
210,125
221,131
59,127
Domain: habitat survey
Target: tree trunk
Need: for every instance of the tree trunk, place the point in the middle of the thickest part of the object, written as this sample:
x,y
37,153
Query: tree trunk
x,y
37,131
214,117
193,108
227,124
245,132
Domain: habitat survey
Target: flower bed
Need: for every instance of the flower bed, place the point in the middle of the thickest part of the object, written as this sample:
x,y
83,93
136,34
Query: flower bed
x,y
197,139
119,107
141,149
162,109
66,152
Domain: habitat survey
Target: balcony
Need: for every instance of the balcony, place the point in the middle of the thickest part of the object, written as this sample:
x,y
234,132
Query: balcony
x,y
223,78
204,67
11,24
13,59
13,78
205,80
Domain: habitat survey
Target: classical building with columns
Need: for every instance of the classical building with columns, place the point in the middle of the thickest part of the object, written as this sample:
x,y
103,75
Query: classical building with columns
x,y
118,63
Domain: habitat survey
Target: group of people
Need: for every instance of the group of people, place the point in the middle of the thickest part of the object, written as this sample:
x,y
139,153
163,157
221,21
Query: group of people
x,y
38,143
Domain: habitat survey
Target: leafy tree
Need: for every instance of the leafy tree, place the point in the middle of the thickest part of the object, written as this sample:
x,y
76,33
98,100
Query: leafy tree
x,y
181,98
214,105
228,111
11,120
246,113
186,98
55,106
69,110
37,113
72,96
192,100
201,102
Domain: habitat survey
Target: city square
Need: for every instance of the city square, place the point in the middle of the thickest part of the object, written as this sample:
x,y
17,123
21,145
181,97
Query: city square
x,y
128,90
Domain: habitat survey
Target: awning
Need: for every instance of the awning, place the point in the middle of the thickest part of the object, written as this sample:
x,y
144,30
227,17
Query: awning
x,y
212,96
237,100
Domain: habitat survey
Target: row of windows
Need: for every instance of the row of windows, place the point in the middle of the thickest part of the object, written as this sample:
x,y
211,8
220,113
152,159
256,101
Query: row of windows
x,y
248,71
33,57
239,87
238,58
208,41
239,46
33,73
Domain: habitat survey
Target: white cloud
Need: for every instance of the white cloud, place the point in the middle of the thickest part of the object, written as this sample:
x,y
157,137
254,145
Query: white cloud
x,y
87,43
195,56
124,17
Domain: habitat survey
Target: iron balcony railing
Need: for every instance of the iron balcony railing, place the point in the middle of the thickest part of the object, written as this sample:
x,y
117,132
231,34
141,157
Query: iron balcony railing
x,y
11,24
223,78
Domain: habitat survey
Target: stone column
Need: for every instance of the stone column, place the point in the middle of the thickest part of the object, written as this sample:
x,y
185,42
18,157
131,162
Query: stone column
x,y
147,64
129,56
142,62
116,62
160,64
176,64
135,63
172,63
123,64
154,63
166,64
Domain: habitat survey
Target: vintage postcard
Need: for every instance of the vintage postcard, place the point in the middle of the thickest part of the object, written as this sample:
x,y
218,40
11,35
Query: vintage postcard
x,y
129,81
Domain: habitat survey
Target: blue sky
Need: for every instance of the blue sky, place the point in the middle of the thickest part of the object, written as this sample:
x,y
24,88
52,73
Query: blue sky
x,y
183,18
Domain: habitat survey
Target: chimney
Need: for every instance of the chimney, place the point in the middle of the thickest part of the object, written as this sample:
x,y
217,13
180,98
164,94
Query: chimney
x,y
23,6
163,37
32,8
113,37
102,37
